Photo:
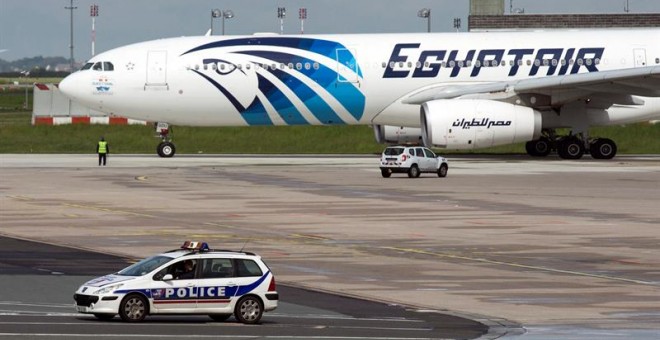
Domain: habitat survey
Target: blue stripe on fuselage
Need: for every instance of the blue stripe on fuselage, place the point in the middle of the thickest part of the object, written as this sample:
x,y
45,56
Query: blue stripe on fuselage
x,y
346,93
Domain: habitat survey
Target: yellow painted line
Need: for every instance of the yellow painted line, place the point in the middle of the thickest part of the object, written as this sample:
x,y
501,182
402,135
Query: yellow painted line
x,y
71,215
108,210
312,237
517,265
141,178
20,198
221,225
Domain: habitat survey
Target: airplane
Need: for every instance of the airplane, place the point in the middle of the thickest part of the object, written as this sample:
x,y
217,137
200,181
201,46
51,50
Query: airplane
x,y
444,90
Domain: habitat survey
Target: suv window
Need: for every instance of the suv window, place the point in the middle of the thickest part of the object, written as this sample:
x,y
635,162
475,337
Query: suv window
x,y
217,268
420,153
393,151
247,268
429,153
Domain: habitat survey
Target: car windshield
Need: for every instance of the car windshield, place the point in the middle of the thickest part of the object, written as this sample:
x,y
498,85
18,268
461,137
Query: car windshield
x,y
145,266
393,151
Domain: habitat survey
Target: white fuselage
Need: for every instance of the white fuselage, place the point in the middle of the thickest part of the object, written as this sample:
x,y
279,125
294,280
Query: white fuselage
x,y
342,79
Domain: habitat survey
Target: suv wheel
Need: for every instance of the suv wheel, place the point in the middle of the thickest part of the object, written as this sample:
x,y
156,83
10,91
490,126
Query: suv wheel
x,y
386,173
442,172
414,171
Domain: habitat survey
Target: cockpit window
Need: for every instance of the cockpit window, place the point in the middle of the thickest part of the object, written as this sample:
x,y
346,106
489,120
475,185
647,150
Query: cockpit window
x,y
100,66
87,66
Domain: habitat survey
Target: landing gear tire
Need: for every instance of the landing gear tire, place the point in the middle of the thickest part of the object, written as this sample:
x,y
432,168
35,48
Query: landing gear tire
x,y
414,172
442,172
386,173
570,148
538,148
166,149
602,148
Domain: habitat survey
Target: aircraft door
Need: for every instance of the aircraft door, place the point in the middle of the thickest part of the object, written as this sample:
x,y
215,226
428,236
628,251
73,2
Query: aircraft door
x,y
347,66
640,57
156,68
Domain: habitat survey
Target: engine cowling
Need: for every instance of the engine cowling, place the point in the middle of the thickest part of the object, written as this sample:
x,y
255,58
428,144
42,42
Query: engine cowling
x,y
477,123
387,134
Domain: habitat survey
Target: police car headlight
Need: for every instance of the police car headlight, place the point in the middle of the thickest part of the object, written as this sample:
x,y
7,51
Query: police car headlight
x,y
108,289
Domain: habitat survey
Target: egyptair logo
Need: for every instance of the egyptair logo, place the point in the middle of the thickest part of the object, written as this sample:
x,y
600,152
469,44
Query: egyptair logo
x,y
294,81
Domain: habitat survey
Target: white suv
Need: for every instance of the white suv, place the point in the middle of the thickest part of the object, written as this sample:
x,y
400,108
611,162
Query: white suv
x,y
412,160
190,280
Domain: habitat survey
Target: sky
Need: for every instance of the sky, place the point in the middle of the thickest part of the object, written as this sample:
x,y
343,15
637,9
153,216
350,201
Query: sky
x,y
30,28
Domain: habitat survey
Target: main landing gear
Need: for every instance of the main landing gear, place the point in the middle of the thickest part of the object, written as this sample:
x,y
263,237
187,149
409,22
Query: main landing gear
x,y
571,146
166,147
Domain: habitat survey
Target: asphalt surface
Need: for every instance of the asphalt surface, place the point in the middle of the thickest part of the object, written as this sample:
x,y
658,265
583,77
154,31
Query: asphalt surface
x,y
567,249
37,281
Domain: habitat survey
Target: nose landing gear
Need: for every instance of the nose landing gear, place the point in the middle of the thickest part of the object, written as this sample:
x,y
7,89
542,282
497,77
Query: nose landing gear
x,y
166,147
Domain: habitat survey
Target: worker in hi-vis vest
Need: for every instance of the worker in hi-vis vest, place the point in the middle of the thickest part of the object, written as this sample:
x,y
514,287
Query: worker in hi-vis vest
x,y
103,149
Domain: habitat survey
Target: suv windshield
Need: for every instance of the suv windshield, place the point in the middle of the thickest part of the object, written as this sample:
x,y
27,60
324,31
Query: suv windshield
x,y
145,266
393,151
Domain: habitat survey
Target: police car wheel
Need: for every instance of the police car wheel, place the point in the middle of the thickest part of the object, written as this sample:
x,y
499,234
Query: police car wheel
x,y
249,310
133,308
220,317
104,316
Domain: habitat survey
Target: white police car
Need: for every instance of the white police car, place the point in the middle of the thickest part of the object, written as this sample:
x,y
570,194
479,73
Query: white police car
x,y
190,280
412,160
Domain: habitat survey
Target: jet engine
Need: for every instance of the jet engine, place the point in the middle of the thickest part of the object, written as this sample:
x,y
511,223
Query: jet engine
x,y
387,134
477,123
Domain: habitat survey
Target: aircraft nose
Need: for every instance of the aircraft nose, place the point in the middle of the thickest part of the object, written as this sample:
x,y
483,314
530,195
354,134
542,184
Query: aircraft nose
x,y
70,86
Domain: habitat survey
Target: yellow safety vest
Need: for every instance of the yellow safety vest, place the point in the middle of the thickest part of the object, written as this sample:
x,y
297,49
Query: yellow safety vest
x,y
103,147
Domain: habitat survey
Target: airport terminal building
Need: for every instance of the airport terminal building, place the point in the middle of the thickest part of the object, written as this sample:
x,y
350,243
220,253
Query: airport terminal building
x,y
489,15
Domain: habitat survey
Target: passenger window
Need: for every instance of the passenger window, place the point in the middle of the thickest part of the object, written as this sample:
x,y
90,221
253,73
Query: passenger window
x,y
307,66
316,66
245,268
384,64
419,152
217,268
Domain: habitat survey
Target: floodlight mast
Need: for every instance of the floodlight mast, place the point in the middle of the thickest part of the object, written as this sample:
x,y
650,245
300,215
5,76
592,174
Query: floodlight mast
x,y
281,14
302,15
94,12
71,8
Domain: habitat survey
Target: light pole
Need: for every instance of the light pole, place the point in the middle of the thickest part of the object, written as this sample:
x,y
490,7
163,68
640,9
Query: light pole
x,y
425,13
281,14
226,14
71,8
94,12
215,13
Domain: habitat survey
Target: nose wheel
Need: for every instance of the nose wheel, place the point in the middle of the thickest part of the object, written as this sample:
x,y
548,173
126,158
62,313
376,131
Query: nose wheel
x,y
166,147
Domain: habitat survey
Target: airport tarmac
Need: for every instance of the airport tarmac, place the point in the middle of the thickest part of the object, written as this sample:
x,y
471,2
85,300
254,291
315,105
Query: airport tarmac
x,y
566,248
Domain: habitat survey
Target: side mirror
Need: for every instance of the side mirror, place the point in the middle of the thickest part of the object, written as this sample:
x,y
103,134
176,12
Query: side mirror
x,y
168,277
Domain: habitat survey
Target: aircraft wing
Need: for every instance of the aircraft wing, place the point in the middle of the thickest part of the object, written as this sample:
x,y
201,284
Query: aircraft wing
x,y
610,87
